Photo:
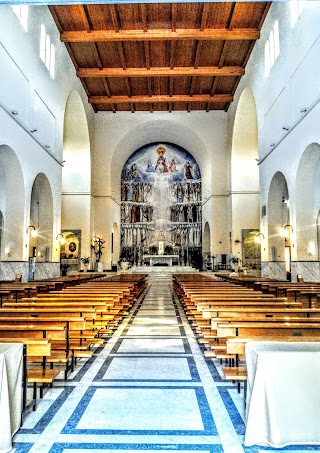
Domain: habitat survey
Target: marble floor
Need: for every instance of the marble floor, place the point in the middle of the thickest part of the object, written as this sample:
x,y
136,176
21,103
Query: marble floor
x,y
149,388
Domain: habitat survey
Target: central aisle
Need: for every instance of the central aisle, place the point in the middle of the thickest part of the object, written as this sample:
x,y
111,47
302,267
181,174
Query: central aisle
x,y
149,388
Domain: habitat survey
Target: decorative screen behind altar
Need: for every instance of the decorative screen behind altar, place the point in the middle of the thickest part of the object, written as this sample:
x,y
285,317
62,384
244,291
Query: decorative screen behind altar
x,y
160,202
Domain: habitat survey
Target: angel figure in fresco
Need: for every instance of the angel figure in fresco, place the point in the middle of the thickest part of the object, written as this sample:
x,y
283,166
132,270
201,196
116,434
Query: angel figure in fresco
x,y
149,168
188,170
173,166
161,165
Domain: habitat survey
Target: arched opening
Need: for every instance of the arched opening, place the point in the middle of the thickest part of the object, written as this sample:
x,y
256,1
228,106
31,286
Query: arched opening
x,y
41,218
70,253
12,206
115,244
308,203
280,230
76,173
244,197
161,212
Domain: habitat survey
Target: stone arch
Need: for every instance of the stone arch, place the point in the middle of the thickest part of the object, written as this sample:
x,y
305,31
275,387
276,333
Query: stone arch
x,y
159,131
76,173
12,205
244,169
41,217
308,203
244,198
278,213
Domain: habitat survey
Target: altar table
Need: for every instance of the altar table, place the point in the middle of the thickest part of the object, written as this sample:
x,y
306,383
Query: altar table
x,y
11,365
283,393
161,259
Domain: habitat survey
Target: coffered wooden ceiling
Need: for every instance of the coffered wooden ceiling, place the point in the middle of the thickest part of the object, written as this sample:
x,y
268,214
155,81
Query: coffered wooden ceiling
x,y
160,56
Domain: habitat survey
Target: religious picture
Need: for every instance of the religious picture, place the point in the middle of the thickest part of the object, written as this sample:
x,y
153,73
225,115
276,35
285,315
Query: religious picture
x,y
160,202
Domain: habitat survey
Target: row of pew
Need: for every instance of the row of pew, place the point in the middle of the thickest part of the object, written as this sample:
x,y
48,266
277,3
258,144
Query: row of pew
x,y
228,312
61,326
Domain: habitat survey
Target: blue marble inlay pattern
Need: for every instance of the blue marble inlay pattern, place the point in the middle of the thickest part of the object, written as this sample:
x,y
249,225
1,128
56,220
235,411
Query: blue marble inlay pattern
x,y
233,412
177,402
149,392
50,413
209,448
22,447
155,369
124,346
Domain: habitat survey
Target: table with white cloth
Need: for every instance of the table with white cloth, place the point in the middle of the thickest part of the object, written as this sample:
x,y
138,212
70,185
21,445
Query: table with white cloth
x,y
283,393
11,368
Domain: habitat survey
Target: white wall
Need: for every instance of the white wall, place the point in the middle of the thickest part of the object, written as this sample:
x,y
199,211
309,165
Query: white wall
x,y
118,135
292,86
27,88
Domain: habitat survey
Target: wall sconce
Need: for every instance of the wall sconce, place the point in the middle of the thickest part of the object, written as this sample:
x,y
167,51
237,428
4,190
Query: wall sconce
x,y
272,144
47,146
285,128
257,238
62,239
34,232
285,233
303,110
14,112
33,130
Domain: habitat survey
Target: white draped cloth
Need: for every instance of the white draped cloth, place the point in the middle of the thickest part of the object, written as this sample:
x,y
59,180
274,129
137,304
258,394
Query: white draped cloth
x,y
11,365
283,393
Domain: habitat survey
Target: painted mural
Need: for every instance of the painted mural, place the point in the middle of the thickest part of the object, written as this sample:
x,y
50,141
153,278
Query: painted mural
x,y
160,202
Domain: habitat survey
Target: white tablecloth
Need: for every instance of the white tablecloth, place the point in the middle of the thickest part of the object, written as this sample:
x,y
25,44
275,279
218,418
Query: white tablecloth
x,y
11,365
283,393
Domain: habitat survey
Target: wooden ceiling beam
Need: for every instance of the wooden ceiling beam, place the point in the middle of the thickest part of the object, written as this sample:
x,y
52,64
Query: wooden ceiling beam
x,y
182,71
107,89
84,17
219,34
217,98
174,17
143,10
147,54
114,18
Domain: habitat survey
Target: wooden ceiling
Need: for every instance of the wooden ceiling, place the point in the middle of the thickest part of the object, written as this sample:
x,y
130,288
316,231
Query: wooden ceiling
x,y
160,56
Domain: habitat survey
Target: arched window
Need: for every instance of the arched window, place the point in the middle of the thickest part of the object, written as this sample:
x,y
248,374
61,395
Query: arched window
x,y
47,51
21,11
296,8
52,60
43,43
272,48
267,58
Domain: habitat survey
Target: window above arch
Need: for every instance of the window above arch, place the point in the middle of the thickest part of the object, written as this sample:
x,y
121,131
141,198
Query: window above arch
x,y
296,8
272,48
47,51
21,11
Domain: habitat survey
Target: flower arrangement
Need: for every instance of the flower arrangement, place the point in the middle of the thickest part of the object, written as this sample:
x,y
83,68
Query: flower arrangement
x,y
85,261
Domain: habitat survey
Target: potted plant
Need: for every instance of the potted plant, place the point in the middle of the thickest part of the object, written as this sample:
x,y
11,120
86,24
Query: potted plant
x,y
86,262
235,262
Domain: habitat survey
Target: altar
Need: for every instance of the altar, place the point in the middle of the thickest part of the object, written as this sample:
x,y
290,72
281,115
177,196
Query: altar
x,y
160,259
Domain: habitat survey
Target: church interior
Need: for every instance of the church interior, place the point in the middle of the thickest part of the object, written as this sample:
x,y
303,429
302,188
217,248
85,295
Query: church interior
x,y
155,157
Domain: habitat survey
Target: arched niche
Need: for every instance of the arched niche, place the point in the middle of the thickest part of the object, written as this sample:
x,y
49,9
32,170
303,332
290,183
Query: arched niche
x,y
41,218
308,203
161,210
115,243
278,217
76,174
244,169
159,131
12,205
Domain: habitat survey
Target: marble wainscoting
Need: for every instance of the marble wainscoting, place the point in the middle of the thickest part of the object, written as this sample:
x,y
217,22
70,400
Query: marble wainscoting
x,y
274,269
46,270
309,270
9,270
